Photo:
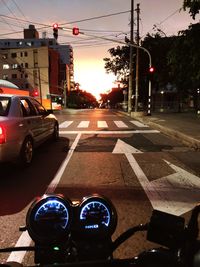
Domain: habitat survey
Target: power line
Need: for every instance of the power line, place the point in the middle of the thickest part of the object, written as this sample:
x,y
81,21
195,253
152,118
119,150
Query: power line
x,y
19,9
98,17
164,20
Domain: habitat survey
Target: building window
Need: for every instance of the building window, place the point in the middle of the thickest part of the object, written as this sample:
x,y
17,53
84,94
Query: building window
x,y
5,56
14,66
26,65
5,76
25,53
14,76
26,75
13,55
21,54
28,43
26,85
6,66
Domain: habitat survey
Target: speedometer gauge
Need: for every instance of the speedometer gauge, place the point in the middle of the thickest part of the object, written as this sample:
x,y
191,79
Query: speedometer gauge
x,y
97,216
49,218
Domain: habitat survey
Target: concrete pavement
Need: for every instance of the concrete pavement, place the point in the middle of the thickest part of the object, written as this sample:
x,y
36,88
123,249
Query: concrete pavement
x,y
182,126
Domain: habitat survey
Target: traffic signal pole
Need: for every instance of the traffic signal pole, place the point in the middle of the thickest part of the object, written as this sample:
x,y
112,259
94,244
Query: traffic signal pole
x,y
130,87
124,43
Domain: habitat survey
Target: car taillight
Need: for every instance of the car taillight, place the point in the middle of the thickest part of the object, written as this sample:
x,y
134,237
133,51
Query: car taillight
x,y
2,135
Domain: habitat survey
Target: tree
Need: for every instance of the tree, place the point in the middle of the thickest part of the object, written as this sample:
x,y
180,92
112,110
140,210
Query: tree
x,y
81,99
114,97
193,5
118,63
184,62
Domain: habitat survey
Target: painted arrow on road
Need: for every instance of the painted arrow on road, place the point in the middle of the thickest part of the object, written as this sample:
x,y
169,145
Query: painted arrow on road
x,y
176,193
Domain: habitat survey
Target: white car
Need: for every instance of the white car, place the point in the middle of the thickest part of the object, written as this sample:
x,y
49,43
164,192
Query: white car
x,y
24,124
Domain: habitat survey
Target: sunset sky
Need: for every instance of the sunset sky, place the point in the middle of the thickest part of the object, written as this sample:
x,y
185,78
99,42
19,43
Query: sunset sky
x,y
89,52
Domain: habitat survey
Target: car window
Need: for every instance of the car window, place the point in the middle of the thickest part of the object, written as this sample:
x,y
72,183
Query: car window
x,y
27,108
41,110
4,105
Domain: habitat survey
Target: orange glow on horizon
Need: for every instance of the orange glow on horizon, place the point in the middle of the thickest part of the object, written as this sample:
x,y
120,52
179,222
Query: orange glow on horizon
x,y
93,78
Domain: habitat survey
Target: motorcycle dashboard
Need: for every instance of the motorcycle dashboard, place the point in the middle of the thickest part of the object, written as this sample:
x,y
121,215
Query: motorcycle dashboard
x,y
53,218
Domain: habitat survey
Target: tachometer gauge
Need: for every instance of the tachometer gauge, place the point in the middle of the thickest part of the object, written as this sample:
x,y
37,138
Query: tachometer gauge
x,y
97,216
48,219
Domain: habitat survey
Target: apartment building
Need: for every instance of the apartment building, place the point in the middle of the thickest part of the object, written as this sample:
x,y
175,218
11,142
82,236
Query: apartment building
x,y
40,66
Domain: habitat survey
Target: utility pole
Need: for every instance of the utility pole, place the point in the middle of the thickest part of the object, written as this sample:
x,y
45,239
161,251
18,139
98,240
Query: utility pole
x,y
130,91
137,60
65,93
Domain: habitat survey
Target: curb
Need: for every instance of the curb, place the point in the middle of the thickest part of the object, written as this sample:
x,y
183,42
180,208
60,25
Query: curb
x,y
181,137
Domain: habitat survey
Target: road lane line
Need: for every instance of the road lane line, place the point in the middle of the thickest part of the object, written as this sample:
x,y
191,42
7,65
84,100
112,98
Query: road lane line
x,y
138,124
83,124
52,186
120,124
24,239
65,124
102,124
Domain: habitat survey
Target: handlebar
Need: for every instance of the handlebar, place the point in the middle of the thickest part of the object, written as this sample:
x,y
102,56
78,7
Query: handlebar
x,y
78,234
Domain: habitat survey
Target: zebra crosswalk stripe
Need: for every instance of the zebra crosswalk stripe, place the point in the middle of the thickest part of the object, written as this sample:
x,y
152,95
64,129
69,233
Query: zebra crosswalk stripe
x,y
65,124
138,124
102,124
83,124
120,124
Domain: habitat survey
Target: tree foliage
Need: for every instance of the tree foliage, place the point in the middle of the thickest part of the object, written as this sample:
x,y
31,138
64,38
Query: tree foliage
x,y
184,62
81,99
118,63
193,6
114,97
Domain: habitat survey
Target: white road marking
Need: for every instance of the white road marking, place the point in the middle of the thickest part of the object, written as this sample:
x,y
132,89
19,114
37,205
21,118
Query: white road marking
x,y
83,124
65,124
122,147
60,171
138,124
175,194
102,124
120,124
180,190
24,239
109,132
18,256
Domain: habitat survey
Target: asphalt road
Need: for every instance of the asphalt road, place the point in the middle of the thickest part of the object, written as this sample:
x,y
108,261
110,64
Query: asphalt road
x,y
101,151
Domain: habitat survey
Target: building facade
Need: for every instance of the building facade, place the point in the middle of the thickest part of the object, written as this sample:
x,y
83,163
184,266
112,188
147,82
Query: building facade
x,y
40,66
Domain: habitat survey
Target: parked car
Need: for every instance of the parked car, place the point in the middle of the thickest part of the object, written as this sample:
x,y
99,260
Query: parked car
x,y
24,124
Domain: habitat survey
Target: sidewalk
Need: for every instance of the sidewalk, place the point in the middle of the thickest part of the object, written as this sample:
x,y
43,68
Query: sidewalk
x,y
183,126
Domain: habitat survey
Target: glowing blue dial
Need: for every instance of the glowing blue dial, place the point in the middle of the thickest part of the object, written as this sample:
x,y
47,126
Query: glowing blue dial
x,y
52,214
94,215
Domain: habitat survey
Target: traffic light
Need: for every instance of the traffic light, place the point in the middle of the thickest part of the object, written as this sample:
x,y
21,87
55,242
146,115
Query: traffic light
x,y
151,69
35,93
151,73
75,31
55,30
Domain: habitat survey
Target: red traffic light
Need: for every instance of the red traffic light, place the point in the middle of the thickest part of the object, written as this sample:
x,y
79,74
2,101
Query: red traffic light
x,y
75,31
55,25
35,93
151,69
55,30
